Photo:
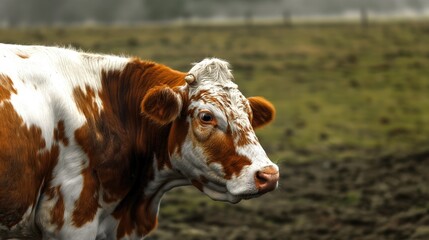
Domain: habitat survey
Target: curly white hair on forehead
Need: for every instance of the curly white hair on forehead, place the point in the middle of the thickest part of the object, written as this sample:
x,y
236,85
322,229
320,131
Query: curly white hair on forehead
x,y
214,70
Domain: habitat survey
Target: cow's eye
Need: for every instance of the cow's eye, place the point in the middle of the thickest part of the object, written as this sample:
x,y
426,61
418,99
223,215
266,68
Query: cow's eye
x,y
206,117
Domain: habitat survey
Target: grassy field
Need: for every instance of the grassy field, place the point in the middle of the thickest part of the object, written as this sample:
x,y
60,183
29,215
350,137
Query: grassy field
x,y
343,93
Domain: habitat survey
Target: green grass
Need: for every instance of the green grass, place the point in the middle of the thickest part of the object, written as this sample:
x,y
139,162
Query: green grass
x,y
341,91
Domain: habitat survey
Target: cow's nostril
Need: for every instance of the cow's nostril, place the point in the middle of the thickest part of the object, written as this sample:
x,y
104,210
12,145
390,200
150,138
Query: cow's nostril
x,y
261,177
266,179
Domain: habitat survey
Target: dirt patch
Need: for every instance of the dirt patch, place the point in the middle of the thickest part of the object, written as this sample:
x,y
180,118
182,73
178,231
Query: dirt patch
x,y
386,198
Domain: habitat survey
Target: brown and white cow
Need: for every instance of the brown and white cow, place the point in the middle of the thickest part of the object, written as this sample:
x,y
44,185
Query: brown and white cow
x,y
89,143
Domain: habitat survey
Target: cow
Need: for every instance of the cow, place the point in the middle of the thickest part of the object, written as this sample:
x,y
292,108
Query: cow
x,y
89,143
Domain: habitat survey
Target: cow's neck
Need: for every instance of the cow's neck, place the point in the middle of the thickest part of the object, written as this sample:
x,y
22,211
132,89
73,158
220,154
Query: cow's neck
x,y
148,160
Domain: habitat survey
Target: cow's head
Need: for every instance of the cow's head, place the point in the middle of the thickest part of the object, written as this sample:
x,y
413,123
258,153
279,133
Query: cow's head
x,y
212,140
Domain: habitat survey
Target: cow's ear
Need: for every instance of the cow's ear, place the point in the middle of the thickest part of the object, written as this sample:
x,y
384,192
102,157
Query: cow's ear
x,y
162,105
263,111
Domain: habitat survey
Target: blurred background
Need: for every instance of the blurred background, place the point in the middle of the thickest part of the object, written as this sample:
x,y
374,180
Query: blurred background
x,y
76,12
349,79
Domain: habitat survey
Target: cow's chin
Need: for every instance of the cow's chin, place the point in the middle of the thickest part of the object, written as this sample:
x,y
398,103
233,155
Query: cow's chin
x,y
221,193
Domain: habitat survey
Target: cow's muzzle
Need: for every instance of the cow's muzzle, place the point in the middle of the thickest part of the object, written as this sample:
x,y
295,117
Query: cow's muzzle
x,y
266,179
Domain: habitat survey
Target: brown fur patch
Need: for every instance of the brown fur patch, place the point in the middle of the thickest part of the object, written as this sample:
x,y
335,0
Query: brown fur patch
x,y
103,139
220,149
86,102
200,96
134,212
147,220
60,133
122,94
126,223
87,204
242,137
88,136
6,88
179,130
21,155
138,217
57,212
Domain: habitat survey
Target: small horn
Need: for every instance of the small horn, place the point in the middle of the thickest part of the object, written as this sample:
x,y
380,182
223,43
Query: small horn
x,y
190,79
